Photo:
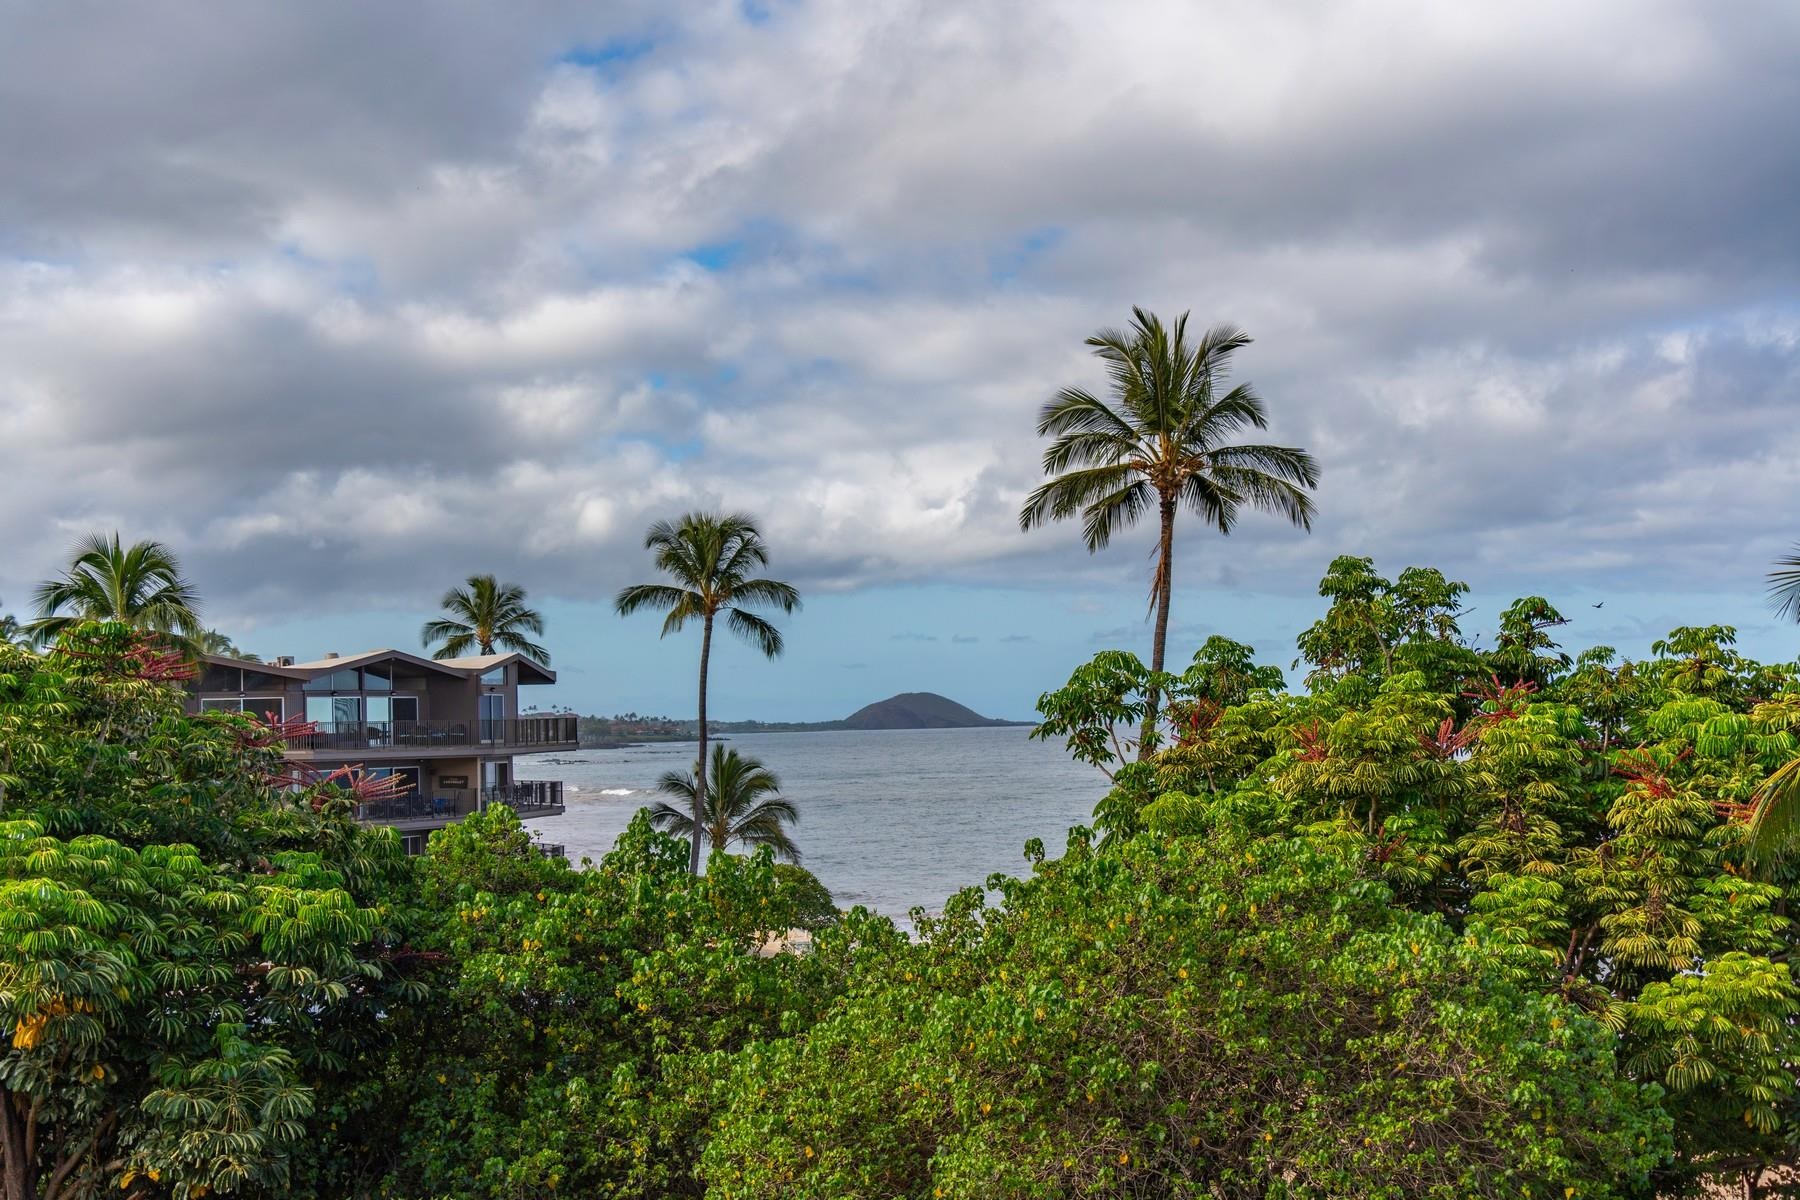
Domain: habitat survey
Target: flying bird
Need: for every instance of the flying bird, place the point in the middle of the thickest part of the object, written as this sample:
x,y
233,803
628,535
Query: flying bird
x,y
1602,604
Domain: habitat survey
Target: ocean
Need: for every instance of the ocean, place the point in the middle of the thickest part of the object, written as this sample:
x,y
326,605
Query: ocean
x,y
889,819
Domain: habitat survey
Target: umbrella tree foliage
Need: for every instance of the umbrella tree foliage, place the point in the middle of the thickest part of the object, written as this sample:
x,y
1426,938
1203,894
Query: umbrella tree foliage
x,y
1446,921
191,955
1236,1015
580,1019
1591,813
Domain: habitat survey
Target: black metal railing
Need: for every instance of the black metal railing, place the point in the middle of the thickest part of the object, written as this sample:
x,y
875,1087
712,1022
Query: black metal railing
x,y
513,733
550,849
527,797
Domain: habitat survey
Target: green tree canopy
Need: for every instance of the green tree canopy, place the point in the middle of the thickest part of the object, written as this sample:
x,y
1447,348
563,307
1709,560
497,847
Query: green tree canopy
x,y
1224,1015
190,952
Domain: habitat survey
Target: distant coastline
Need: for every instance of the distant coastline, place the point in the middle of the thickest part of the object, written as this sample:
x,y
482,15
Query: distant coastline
x,y
908,710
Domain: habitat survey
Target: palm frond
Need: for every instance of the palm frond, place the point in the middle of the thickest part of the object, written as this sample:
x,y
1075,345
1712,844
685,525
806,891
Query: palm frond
x,y
1071,493
1784,585
1076,410
1774,826
1117,510
666,818
755,630
1266,493
654,596
771,592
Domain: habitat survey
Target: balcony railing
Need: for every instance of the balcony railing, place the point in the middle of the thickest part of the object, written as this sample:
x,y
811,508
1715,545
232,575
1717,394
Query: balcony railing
x,y
513,733
527,797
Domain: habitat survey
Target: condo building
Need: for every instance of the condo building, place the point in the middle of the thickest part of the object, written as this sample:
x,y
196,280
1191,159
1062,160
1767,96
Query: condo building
x,y
447,728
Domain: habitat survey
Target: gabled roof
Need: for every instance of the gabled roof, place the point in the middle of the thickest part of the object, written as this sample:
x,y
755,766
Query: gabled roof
x,y
456,668
487,662
225,660
347,661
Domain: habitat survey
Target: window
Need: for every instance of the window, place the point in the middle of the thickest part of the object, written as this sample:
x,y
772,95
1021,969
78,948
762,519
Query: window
x,y
406,710
221,679
493,717
413,843
336,681
411,775
378,678
334,713
258,681
494,675
269,708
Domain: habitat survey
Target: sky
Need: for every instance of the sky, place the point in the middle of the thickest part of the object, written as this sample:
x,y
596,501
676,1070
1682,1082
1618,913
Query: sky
x,y
345,302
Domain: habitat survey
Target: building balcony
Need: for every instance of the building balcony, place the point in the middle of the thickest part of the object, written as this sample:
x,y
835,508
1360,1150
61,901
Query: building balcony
x,y
522,734
526,797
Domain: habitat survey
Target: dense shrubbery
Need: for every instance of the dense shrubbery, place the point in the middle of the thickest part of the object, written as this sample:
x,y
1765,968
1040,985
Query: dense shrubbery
x,y
1188,1017
1449,923
191,960
573,1036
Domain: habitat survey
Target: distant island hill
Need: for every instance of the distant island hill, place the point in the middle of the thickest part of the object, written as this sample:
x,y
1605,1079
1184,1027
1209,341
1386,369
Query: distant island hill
x,y
908,710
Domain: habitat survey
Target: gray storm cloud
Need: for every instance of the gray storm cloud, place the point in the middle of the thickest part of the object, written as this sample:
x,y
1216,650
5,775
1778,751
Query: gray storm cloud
x,y
328,295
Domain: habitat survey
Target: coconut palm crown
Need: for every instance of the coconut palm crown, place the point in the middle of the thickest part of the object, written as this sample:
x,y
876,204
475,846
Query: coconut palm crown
x,y
1774,826
140,585
743,805
712,559
482,616
1162,440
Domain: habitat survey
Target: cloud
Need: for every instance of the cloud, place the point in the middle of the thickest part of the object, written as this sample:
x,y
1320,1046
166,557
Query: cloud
x,y
965,639
498,298
913,637
1018,637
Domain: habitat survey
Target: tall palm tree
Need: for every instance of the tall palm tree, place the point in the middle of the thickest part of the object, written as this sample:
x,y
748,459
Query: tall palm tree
x,y
710,557
1774,825
10,630
483,615
743,804
138,585
1159,440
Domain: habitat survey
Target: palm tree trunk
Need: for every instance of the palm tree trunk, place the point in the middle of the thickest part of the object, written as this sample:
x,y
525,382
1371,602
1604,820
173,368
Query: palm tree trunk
x,y
1165,563
700,767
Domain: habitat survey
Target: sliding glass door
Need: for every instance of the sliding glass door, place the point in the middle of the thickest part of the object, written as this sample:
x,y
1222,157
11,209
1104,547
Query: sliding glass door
x,y
493,718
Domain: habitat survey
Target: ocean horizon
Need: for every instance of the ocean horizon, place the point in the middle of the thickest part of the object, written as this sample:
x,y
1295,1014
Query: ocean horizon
x,y
889,819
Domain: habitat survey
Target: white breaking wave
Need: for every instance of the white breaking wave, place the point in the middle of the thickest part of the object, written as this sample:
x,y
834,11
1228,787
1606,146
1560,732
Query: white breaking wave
x,y
617,791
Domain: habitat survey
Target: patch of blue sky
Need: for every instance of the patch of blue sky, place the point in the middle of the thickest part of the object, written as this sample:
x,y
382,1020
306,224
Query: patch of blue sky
x,y
609,58
716,256
355,275
673,449
1011,261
